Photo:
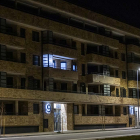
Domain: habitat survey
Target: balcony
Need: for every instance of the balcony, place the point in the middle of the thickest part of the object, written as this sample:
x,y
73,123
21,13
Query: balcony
x,y
61,74
37,95
102,79
133,48
133,66
100,59
133,84
14,41
12,67
58,50
56,26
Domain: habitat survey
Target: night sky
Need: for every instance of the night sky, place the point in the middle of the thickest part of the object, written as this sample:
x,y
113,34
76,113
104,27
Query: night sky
x,y
127,11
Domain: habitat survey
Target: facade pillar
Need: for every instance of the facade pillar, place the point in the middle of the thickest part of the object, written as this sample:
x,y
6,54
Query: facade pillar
x,y
86,88
113,110
16,107
85,109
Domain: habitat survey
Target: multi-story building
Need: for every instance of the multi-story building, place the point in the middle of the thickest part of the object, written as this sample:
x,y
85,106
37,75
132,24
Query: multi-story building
x,y
63,67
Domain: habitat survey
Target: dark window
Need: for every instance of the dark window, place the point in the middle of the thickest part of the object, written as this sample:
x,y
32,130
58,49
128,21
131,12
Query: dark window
x,y
93,110
36,108
74,44
35,36
124,110
82,88
123,75
74,87
123,57
83,69
23,80
123,92
3,79
82,49
22,32
76,109
117,92
23,58
116,73
54,86
10,82
64,86
116,55
36,60
45,123
36,84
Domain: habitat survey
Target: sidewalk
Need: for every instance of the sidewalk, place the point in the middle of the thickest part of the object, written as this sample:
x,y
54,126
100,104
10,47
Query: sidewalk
x,y
65,132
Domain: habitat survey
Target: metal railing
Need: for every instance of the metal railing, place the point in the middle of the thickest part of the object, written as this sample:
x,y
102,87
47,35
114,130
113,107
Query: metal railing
x,y
62,68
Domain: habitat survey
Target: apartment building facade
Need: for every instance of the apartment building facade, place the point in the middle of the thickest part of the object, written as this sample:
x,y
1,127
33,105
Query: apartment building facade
x,y
65,68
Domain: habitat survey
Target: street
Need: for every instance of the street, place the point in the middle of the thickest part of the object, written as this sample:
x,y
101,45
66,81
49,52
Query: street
x,y
79,136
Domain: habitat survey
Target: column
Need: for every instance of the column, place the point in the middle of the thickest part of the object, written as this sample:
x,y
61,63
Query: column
x,y
16,107
86,88
85,109
113,110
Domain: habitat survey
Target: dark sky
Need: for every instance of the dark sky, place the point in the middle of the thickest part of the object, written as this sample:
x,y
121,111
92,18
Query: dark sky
x,y
127,11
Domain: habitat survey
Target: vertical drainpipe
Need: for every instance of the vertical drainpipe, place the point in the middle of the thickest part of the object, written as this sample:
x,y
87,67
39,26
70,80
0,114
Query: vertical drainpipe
x,y
42,73
127,74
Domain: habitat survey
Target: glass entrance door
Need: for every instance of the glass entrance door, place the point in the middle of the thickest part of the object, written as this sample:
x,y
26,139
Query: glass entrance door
x,y
57,120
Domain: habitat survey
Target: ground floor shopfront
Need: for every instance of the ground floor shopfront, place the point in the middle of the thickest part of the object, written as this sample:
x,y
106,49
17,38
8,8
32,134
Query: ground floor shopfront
x,y
29,116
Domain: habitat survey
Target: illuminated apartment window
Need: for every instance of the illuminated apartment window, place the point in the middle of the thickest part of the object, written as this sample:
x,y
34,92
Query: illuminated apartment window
x,y
63,65
54,64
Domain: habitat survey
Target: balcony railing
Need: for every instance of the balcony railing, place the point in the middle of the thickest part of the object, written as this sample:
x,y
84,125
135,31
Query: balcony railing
x,y
62,68
7,30
103,54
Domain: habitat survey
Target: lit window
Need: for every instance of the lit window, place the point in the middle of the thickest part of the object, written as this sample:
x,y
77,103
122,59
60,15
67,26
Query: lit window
x,y
63,65
53,63
74,67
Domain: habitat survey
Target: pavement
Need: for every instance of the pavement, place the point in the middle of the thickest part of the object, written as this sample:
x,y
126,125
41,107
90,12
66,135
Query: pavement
x,y
74,135
66,132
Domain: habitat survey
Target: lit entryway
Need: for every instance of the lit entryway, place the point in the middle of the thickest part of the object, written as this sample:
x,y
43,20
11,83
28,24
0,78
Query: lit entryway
x,y
60,117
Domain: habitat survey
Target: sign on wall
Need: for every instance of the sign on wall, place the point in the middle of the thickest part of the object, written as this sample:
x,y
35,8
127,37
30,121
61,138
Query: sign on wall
x,y
48,108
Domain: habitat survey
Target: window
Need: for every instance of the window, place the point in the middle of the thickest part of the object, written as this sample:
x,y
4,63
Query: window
x,y
36,84
82,49
22,32
123,75
10,82
54,64
63,65
92,110
35,36
36,60
64,86
123,92
106,90
23,83
3,79
116,73
76,109
124,110
23,58
123,57
116,55
36,108
82,88
74,44
83,69
45,123
117,92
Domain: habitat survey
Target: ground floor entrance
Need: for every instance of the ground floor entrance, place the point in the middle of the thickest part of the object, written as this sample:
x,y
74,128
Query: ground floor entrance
x,y
60,117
